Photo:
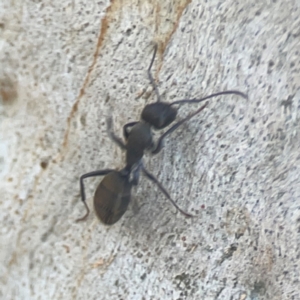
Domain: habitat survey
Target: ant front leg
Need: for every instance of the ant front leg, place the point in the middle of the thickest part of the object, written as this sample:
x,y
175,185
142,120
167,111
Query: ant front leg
x,y
82,190
112,135
126,129
160,142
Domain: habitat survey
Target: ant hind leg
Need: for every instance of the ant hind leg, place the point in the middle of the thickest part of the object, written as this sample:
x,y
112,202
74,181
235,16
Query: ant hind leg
x,y
82,191
154,179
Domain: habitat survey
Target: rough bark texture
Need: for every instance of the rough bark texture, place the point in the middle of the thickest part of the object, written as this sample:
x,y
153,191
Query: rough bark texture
x,y
67,65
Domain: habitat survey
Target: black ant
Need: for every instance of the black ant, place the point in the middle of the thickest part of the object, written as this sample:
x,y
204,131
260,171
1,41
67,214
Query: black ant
x,y
112,195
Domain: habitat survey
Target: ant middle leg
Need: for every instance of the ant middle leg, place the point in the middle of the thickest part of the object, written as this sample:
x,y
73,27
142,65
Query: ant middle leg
x,y
112,135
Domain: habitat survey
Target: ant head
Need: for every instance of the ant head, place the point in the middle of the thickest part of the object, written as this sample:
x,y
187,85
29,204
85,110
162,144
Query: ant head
x,y
159,114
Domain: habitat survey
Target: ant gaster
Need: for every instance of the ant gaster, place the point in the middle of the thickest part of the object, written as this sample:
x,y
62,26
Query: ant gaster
x,y
112,195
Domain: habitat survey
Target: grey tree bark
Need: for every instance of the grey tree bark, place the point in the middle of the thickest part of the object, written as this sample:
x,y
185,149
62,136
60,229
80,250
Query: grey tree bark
x,y
68,65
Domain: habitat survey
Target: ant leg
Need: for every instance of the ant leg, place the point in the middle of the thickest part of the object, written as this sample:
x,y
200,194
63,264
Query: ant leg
x,y
211,96
153,179
112,135
82,191
160,142
125,129
152,81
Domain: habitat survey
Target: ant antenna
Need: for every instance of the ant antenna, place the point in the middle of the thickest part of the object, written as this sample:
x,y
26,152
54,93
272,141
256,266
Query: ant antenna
x,y
210,96
152,81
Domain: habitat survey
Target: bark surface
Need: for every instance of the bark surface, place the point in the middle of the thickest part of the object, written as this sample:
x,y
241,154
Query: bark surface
x,y
65,66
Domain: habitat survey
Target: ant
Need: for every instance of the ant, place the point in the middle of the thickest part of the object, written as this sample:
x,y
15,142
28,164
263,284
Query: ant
x,y
113,194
